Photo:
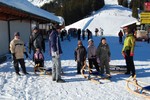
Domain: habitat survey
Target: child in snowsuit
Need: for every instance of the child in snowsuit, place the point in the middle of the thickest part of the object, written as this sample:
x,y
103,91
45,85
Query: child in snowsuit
x,y
92,55
38,59
80,56
103,54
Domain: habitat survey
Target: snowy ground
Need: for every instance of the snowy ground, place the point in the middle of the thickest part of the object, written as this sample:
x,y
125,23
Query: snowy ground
x,y
32,87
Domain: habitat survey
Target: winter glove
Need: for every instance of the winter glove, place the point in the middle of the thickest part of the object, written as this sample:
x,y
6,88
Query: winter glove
x,y
26,54
56,55
14,57
131,54
124,54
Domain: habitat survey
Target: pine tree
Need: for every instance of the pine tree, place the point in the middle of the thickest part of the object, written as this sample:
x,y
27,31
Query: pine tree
x,y
134,9
125,3
120,2
73,10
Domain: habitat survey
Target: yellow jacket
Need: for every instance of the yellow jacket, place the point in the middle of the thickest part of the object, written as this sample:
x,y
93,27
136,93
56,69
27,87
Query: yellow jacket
x,y
129,43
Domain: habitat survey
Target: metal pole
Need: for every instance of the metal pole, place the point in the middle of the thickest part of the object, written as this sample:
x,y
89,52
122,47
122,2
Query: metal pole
x,y
9,36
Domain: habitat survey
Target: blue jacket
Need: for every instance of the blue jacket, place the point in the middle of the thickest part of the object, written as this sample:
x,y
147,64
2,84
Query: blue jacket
x,y
54,43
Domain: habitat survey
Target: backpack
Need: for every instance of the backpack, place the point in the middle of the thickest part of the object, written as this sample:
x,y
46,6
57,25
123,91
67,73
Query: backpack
x,y
38,56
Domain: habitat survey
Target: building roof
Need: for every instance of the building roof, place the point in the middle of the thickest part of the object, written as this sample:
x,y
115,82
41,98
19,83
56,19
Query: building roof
x,y
12,9
129,24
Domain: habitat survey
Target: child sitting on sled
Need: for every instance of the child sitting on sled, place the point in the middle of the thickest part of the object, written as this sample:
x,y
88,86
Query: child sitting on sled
x,y
38,60
39,63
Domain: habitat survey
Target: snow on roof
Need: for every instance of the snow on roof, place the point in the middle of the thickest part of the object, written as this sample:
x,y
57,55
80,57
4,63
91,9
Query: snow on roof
x,y
130,23
62,21
39,3
28,7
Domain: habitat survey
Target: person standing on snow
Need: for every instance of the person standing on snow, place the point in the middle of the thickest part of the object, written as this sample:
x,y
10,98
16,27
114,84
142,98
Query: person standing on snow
x,y
80,56
96,31
148,35
89,34
55,51
36,40
120,34
101,31
17,50
103,54
128,51
79,34
92,55
83,34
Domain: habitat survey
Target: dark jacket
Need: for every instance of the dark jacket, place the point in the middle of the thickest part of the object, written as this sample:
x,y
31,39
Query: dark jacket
x,y
36,40
103,51
80,53
54,42
120,34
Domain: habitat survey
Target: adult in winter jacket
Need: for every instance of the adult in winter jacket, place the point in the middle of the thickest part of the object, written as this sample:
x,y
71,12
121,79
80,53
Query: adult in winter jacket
x,y
55,51
80,56
92,55
17,50
103,54
89,34
36,40
79,34
128,51
96,31
148,35
120,34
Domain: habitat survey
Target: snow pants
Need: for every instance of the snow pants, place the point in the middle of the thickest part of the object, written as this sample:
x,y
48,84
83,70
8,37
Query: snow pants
x,y
56,68
16,65
130,63
80,64
40,62
120,39
92,62
104,64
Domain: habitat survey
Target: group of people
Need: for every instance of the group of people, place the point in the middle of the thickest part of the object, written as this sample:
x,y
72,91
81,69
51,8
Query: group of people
x,y
99,57
94,55
37,45
99,31
89,34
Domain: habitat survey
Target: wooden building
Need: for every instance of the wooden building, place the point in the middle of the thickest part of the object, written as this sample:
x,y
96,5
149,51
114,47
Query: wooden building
x,y
18,17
